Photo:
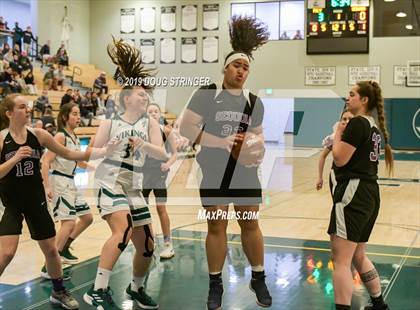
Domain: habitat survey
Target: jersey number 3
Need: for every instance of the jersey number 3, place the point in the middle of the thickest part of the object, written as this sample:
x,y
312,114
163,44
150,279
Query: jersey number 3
x,y
128,149
28,168
376,138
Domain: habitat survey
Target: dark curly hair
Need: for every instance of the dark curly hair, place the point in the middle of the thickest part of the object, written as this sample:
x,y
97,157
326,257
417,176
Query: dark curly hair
x,y
247,34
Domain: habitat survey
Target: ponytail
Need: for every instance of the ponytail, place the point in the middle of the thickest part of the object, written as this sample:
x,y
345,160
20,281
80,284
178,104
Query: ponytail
x,y
372,91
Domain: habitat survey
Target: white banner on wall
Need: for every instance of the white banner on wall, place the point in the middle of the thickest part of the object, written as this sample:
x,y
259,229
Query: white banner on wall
x,y
147,47
359,2
210,49
400,75
147,19
167,50
128,20
210,16
189,50
189,18
319,76
413,73
360,73
168,18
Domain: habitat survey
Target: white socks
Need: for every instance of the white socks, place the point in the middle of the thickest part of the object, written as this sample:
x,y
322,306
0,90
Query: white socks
x,y
258,268
102,279
136,283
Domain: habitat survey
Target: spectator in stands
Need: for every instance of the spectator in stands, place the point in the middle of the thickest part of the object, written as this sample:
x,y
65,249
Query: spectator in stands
x,y
77,97
298,35
61,48
8,57
25,62
49,80
6,49
96,103
27,40
42,102
5,80
8,82
25,89
29,78
30,82
99,85
59,76
16,50
284,36
63,58
48,118
17,35
15,64
68,96
86,108
110,108
45,54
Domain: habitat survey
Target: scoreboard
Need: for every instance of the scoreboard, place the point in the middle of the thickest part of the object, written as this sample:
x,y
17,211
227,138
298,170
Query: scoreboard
x,y
337,26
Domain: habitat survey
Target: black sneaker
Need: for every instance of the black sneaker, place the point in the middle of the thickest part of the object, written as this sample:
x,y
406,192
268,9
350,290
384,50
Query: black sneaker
x,y
66,273
214,300
143,300
67,257
101,299
371,307
258,286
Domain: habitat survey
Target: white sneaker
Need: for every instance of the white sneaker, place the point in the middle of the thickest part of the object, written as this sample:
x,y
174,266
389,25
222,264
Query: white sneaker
x,y
168,251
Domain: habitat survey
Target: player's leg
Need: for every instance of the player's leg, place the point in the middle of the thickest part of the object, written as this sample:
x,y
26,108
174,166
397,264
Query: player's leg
x,y
216,249
142,239
253,246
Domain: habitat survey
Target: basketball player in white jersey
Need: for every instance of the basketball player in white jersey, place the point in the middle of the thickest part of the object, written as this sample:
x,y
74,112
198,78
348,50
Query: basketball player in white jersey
x,y
119,178
67,202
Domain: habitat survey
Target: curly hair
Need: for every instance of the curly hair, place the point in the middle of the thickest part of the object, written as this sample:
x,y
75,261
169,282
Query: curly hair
x,y
129,61
247,34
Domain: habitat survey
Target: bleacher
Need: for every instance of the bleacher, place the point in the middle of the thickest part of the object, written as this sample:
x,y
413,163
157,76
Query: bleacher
x,y
88,74
85,75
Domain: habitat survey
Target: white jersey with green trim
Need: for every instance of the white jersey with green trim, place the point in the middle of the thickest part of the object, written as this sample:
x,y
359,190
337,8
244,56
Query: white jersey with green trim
x,y
61,164
124,162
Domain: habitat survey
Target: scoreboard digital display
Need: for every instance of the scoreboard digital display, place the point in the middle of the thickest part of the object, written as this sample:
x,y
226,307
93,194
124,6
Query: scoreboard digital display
x,y
337,26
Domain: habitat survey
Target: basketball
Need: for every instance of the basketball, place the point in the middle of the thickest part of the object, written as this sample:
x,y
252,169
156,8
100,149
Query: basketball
x,y
248,149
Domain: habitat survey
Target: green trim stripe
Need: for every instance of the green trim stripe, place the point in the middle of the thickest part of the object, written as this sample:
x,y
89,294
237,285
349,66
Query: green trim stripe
x,y
120,202
141,217
111,195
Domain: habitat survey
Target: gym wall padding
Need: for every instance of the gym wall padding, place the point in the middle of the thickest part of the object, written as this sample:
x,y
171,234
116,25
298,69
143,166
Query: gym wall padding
x,y
319,116
403,115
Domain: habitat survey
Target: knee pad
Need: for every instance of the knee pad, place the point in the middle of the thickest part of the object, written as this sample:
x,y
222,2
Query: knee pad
x,y
148,252
122,245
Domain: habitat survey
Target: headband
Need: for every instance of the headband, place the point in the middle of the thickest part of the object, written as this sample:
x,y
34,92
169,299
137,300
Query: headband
x,y
236,56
